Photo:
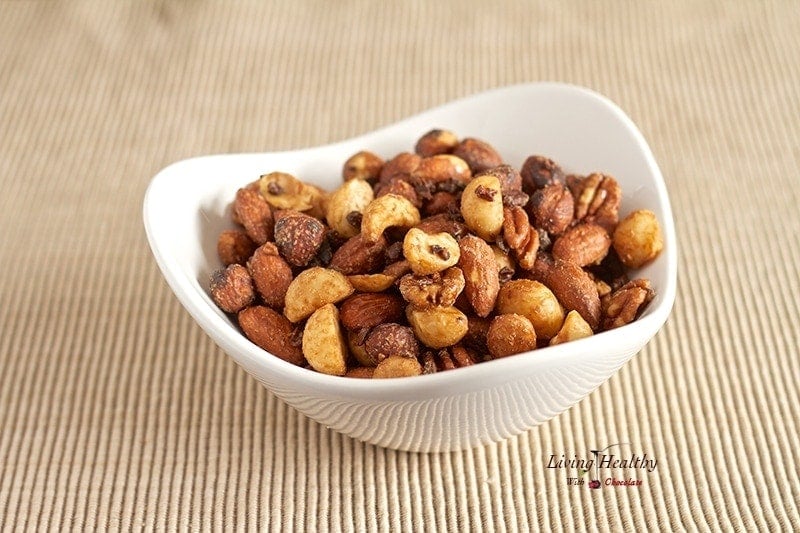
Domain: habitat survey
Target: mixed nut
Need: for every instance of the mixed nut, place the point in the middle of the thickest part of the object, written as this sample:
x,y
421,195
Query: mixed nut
x,y
432,260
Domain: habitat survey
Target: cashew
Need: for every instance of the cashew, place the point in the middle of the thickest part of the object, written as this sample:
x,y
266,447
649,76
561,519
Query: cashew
x,y
482,206
428,254
345,207
312,289
386,211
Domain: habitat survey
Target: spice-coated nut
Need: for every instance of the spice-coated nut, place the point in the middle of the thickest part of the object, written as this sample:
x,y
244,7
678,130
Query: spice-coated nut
x,y
583,244
313,288
435,290
481,276
359,256
352,197
255,214
442,168
510,178
637,238
323,343
284,191
443,223
510,334
574,327
572,285
520,236
271,331
386,211
232,288
390,339
538,171
397,367
436,142
355,343
381,281
552,208
400,166
363,165
534,301
625,304
478,154
298,237
437,327
429,254
363,372
367,310
234,246
597,199
482,207
271,275
400,187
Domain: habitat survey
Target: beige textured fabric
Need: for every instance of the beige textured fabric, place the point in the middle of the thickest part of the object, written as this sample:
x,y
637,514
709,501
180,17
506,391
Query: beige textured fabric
x,y
116,411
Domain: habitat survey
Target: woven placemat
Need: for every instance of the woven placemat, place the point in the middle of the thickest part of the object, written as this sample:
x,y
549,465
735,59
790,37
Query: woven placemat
x,y
116,410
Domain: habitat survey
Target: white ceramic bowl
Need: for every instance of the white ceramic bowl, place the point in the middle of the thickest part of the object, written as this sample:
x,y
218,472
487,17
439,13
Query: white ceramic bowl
x,y
187,205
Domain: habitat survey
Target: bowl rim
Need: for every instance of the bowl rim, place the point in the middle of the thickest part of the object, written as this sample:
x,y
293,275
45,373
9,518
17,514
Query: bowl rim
x,y
474,377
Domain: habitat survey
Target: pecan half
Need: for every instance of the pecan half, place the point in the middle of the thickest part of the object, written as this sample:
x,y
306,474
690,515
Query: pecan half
x,y
625,304
597,199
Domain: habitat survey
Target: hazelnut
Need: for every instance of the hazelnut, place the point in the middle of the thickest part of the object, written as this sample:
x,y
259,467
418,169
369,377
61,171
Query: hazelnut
x,y
400,166
284,191
442,168
637,238
234,246
552,208
436,142
534,301
397,366
437,327
362,166
510,334
232,288
391,339
298,237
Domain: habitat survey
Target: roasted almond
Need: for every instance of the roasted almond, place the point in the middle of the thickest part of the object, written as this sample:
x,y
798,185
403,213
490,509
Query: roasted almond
x,y
298,237
271,275
367,310
255,214
271,331
359,256
481,276
572,286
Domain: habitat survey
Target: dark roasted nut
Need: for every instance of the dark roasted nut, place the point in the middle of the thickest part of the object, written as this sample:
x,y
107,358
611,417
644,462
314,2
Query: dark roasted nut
x,y
515,199
597,199
584,244
436,142
439,289
400,187
271,331
298,237
478,154
429,363
358,256
510,178
538,171
510,334
481,276
232,288
638,239
477,329
400,166
363,165
271,275
520,236
461,356
234,246
441,203
611,270
255,215
552,208
391,339
367,310
443,223
363,372
625,304
440,169
572,286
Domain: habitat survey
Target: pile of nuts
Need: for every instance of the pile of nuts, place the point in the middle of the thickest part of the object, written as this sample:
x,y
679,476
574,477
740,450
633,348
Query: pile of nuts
x,y
431,260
